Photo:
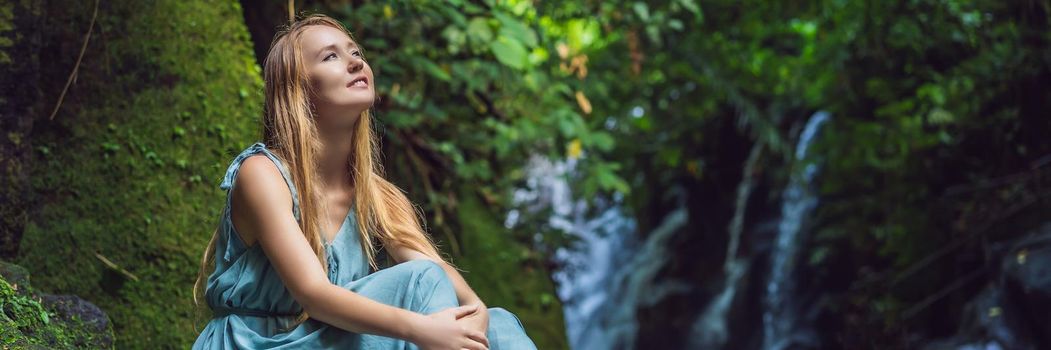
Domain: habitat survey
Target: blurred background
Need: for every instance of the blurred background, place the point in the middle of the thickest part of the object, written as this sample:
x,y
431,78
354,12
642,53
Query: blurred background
x,y
675,174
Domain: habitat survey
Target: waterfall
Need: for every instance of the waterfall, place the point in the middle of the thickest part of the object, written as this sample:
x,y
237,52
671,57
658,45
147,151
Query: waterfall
x,y
782,325
588,266
710,330
606,275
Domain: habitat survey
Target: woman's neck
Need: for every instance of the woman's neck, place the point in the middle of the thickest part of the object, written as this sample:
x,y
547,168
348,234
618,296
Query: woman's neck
x,y
334,160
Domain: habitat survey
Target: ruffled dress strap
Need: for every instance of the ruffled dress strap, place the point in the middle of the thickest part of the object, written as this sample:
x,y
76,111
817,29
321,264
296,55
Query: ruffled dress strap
x,y
259,147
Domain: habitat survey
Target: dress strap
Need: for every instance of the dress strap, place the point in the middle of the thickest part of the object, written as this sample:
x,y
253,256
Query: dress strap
x,y
259,147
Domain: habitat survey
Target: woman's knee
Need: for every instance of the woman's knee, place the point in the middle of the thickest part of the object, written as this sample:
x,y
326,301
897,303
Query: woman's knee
x,y
431,286
427,273
501,313
424,267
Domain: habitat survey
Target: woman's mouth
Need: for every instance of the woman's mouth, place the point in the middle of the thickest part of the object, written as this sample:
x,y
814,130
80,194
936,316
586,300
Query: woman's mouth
x,y
359,83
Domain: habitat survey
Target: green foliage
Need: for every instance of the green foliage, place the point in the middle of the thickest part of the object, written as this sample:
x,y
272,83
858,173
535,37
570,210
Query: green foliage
x,y
474,89
935,93
919,109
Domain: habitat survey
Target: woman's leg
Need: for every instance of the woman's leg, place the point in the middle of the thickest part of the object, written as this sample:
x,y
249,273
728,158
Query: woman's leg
x,y
422,286
417,285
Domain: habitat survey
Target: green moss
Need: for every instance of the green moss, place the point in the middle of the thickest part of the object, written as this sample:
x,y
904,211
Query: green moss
x,y
27,324
167,94
506,274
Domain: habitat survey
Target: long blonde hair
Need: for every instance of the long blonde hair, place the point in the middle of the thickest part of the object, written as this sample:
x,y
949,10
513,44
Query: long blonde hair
x,y
388,218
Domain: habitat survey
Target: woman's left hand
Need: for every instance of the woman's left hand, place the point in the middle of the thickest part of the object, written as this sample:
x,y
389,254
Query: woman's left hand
x,y
478,320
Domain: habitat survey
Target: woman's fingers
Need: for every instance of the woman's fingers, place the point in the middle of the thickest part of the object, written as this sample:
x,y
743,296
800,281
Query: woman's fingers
x,y
478,337
466,310
474,345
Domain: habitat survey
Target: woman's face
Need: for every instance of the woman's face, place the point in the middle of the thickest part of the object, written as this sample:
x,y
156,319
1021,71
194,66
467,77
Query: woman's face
x,y
339,74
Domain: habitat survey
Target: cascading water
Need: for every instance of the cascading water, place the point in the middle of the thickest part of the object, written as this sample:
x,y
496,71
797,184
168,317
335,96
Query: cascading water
x,y
782,325
606,275
710,330
587,267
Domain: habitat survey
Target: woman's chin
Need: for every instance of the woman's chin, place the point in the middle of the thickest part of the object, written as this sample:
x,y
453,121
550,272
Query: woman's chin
x,y
359,104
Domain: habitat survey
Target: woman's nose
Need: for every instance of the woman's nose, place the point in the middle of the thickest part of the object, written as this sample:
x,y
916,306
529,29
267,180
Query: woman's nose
x,y
356,64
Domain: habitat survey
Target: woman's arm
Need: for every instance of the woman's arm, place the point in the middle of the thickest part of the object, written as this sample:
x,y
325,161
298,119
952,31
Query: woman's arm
x,y
262,202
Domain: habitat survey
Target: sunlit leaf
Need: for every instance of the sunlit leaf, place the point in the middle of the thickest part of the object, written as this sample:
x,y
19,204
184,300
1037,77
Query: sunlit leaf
x,y
509,52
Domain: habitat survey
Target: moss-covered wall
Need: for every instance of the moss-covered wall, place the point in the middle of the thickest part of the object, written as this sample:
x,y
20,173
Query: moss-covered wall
x,y
167,93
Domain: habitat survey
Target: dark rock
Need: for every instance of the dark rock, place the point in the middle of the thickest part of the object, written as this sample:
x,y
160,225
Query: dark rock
x,y
1014,310
71,308
15,275
990,322
1027,282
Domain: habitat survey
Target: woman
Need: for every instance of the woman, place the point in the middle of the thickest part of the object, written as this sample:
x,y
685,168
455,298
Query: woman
x,y
296,249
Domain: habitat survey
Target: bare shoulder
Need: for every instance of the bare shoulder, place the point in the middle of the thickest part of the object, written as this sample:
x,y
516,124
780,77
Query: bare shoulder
x,y
259,195
258,168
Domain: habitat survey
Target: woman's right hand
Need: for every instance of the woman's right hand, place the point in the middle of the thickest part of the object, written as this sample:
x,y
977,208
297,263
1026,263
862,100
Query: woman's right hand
x,y
440,331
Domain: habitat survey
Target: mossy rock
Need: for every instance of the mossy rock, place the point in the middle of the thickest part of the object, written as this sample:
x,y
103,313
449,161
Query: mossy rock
x,y
32,320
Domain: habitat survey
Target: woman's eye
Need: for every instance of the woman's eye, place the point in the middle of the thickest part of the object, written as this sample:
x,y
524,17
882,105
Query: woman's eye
x,y
355,52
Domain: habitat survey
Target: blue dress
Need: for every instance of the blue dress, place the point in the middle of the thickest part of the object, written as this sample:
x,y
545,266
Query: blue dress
x,y
251,304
